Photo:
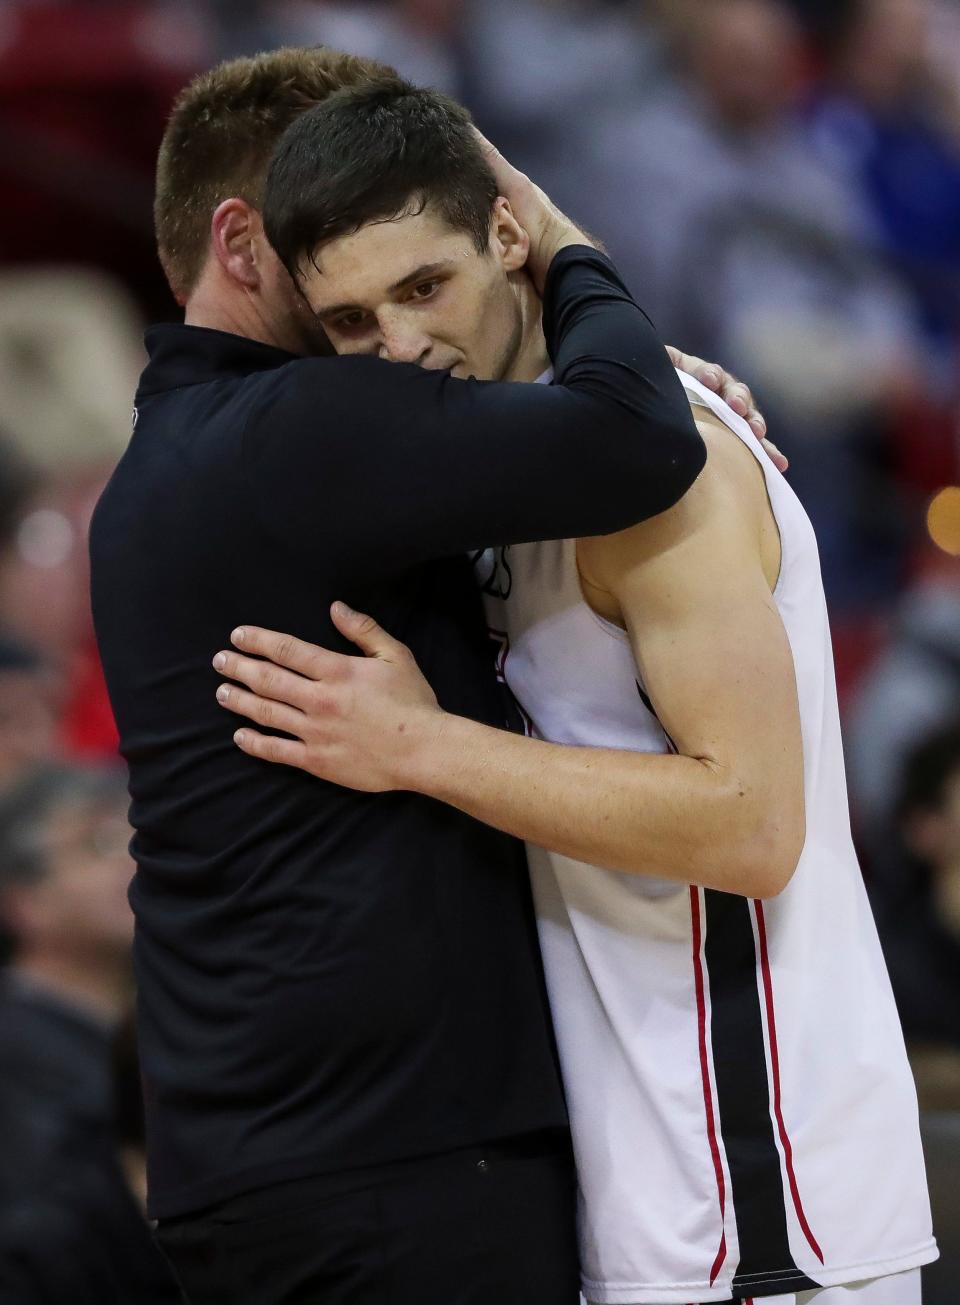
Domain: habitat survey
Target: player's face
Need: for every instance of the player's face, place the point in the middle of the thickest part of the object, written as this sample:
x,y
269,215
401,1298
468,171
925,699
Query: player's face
x,y
414,290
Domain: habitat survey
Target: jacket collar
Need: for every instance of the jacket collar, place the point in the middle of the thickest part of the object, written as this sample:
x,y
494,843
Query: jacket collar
x,y
190,355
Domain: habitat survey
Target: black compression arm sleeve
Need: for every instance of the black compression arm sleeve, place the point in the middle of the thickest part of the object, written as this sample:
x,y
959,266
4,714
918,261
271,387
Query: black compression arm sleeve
x,y
389,464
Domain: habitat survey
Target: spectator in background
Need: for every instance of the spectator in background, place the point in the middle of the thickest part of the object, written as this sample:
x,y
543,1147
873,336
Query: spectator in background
x,y
44,587
539,74
712,182
920,919
70,355
888,121
909,691
69,1229
28,712
710,140
29,699
418,37
826,21
84,91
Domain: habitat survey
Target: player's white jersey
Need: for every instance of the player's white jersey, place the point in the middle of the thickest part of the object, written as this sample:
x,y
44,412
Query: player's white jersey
x,y
744,1117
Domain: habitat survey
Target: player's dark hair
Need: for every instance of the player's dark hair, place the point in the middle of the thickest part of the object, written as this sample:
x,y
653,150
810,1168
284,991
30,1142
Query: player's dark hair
x,y
371,154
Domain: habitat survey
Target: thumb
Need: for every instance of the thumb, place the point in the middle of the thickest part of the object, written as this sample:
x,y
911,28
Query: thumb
x,y
365,633
487,147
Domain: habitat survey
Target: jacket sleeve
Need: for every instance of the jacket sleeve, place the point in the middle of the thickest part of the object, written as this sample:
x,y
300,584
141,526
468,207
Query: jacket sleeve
x,y
381,465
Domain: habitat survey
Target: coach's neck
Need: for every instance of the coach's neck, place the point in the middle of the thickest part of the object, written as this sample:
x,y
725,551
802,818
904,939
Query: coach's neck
x,y
220,305
244,289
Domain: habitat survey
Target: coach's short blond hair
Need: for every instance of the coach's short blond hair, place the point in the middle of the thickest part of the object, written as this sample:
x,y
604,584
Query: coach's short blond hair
x,y
220,137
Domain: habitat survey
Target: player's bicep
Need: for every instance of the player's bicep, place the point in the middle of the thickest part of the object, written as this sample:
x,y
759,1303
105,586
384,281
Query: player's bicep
x,y
714,656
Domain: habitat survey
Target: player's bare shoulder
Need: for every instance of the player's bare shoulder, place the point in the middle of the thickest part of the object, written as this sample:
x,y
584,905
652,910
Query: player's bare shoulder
x,y
727,505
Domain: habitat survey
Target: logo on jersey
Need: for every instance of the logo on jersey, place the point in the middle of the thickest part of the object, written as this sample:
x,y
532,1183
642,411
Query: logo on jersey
x,y
516,718
492,569
135,418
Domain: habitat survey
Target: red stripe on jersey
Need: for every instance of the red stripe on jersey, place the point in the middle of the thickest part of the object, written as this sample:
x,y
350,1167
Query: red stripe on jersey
x,y
775,1072
705,1077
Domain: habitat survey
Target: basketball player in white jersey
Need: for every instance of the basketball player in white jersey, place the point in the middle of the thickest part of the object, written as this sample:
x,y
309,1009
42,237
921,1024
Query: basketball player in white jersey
x,y
744,1118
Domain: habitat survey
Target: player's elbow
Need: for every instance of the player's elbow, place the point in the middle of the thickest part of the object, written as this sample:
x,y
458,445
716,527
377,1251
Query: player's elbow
x,y
775,854
766,845
771,875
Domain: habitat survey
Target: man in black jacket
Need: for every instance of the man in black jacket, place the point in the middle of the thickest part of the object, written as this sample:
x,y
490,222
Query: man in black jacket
x,y
349,1076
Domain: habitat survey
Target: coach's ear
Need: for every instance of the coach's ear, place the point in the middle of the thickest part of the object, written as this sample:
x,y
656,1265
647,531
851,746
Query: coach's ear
x,y
234,231
510,242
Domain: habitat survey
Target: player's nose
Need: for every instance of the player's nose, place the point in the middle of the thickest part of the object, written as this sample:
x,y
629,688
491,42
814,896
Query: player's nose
x,y
403,344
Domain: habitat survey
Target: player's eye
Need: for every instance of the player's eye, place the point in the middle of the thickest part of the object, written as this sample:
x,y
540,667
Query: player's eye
x,y
425,290
350,321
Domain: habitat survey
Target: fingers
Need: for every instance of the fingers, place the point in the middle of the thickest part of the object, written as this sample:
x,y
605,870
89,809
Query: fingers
x,y
283,752
733,392
738,397
274,715
779,460
487,147
708,374
265,679
364,631
296,654
755,418
507,176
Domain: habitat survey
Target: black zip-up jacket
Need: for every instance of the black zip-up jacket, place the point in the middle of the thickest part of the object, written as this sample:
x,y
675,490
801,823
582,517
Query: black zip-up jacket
x,y
331,979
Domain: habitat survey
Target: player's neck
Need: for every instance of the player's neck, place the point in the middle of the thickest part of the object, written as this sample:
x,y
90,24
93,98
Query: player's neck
x,y
531,359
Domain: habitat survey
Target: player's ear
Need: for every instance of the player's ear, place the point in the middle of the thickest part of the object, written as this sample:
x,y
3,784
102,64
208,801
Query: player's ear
x,y
234,231
509,240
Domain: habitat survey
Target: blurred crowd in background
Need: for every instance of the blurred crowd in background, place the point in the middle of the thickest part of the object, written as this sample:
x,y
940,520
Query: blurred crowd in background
x,y
779,181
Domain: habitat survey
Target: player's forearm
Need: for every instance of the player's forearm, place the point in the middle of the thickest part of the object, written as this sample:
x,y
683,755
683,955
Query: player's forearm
x,y
664,816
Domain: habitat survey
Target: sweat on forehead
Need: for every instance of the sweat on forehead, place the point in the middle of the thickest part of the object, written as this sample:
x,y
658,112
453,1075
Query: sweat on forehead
x,y
373,153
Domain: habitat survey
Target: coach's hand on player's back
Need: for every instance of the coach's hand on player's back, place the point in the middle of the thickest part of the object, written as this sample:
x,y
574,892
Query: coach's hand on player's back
x,y
363,722
735,393
549,229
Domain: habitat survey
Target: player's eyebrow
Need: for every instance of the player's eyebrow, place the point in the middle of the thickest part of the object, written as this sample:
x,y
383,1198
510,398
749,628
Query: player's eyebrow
x,y
421,273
